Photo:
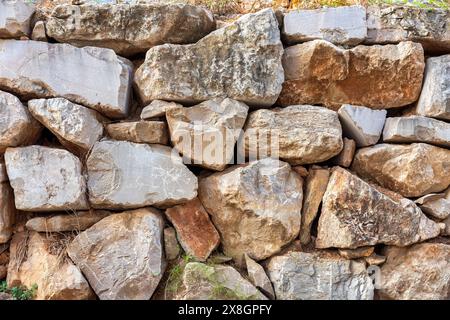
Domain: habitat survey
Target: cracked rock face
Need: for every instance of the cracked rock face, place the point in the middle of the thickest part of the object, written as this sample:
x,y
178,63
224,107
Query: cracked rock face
x,y
46,179
94,77
258,277
122,256
128,29
139,131
356,214
241,61
412,170
256,207
316,276
15,17
129,175
378,77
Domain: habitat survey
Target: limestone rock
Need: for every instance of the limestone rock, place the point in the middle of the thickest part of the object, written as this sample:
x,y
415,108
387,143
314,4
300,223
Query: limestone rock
x,y
411,170
300,134
259,277
357,253
311,276
375,259
7,212
125,175
17,126
420,272
171,247
345,157
139,131
255,207
434,100
39,260
75,126
340,25
45,179
158,108
436,205
205,134
378,77
446,231
241,61
362,124
196,233
94,77
39,33
200,282
15,17
129,29
122,256
356,214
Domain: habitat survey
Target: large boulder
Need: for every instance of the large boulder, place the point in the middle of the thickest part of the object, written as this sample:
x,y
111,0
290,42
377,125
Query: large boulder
x,y
94,77
256,207
122,256
241,61
378,77
125,175
412,170
15,18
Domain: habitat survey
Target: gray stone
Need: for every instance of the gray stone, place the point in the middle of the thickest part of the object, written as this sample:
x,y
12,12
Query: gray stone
x,y
15,18
158,108
259,277
436,205
39,33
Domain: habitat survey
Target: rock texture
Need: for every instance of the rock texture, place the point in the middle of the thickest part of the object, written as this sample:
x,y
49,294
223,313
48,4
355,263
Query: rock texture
x,y
15,18
39,33
122,256
93,77
139,131
256,207
158,108
241,61
130,175
45,179
76,221
259,277
345,157
378,77
356,214
7,211
171,246
311,276
436,205
412,170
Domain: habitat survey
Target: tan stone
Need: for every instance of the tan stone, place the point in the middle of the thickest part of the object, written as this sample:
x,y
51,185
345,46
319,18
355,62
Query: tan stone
x,y
375,259
171,246
7,212
446,231
39,33
345,157
436,204
139,131
357,253
158,108
259,277
302,171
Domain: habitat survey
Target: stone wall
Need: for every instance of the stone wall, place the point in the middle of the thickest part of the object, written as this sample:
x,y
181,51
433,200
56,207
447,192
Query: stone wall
x,y
151,151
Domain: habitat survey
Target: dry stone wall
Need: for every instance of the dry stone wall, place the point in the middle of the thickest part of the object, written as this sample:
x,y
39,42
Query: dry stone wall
x,y
153,151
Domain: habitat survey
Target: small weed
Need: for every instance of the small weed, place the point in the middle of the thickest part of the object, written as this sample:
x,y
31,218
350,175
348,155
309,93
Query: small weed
x,y
19,293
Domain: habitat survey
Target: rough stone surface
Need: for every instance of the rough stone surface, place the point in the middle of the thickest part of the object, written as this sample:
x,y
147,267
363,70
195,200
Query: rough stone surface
x,y
446,231
139,131
300,134
93,77
76,127
259,278
45,179
411,170
362,124
122,256
129,29
39,33
420,272
38,260
213,126
158,108
15,18
195,231
356,214
378,77
340,25
241,61
345,157
311,276
256,207
434,100
17,126
375,259
356,253
7,212
171,246
436,205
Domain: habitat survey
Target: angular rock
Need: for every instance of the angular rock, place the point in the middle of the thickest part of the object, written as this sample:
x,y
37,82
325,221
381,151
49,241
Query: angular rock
x,y
122,256
375,259
171,247
241,61
315,276
39,33
129,29
76,221
417,129
206,134
356,214
17,126
125,175
7,212
302,171
361,252
316,184
94,77
75,126
434,100
420,272
3,174
215,282
299,134
259,277
345,157
378,77
255,207
45,179
158,108
411,170
139,131
436,205
446,231
362,124
15,18
39,260
195,231
340,25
